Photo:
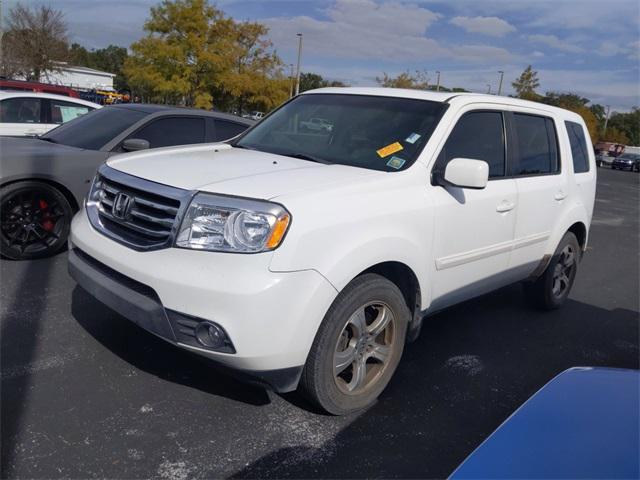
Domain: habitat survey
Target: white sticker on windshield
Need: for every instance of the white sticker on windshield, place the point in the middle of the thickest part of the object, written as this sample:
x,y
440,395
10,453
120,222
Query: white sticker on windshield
x,y
413,138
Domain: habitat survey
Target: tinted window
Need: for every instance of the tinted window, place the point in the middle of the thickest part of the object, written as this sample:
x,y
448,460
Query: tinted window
x,y
579,149
20,110
375,132
226,130
480,136
95,129
167,132
537,151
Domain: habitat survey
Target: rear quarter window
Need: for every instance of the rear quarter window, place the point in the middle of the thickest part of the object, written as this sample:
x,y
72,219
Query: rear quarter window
x,y
579,147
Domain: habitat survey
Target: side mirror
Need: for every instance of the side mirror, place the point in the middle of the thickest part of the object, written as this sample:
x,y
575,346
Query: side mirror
x,y
467,173
135,144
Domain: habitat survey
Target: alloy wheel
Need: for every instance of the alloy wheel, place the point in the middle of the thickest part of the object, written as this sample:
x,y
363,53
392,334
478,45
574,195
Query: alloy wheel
x,y
31,221
563,272
364,348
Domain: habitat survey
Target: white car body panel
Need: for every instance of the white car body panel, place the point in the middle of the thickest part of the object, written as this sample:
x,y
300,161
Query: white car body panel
x,y
36,128
458,242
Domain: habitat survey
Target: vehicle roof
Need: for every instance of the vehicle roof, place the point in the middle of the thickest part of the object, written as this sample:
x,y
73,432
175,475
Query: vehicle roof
x,y
52,96
171,110
461,98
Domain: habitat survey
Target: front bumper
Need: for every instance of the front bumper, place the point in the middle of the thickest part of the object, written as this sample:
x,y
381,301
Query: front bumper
x,y
271,318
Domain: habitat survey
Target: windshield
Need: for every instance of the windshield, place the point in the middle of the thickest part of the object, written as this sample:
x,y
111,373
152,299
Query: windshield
x,y
379,133
93,130
629,156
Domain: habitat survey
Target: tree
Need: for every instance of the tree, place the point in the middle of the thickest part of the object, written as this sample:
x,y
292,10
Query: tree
x,y
34,42
616,136
110,59
255,76
628,124
181,54
525,85
193,52
310,81
416,81
577,104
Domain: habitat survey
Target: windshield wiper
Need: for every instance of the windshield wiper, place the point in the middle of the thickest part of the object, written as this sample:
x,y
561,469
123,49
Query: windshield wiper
x,y
304,156
47,139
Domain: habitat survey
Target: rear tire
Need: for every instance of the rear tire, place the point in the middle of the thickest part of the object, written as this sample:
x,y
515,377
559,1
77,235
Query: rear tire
x,y
35,219
358,346
551,290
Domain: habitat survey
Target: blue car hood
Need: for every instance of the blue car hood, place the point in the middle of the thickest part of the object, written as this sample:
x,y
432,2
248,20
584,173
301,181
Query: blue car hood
x,y
582,424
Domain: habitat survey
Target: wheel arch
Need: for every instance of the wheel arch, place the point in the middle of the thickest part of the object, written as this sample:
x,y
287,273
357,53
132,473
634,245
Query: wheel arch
x,y
57,185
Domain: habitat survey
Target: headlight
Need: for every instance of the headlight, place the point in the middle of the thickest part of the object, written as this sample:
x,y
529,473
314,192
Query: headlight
x,y
228,224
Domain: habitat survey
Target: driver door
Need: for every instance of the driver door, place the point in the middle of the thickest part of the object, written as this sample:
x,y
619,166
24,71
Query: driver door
x,y
474,229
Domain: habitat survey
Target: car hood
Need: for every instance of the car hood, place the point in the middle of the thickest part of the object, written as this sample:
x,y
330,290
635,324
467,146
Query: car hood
x,y
220,168
21,147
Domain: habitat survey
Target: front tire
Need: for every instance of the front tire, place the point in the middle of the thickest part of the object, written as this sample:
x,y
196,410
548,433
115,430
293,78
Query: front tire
x,y
551,290
35,219
358,346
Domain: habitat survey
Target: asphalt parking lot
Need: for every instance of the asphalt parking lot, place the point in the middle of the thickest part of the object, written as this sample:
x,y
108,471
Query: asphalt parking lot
x,y
85,393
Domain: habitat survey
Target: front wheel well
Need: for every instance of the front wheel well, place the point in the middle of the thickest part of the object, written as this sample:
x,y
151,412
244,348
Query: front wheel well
x,y
579,229
404,278
58,186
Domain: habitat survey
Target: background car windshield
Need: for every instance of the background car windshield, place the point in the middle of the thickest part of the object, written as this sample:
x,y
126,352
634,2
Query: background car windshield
x,y
379,133
93,130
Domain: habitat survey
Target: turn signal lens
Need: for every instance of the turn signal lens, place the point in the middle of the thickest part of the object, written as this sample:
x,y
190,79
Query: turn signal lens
x,y
278,231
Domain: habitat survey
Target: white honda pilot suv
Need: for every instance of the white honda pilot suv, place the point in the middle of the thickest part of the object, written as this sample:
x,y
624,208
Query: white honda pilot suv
x,y
307,259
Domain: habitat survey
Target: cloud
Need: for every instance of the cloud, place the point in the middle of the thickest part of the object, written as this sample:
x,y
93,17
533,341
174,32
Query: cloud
x,y
554,42
492,26
362,29
482,53
366,30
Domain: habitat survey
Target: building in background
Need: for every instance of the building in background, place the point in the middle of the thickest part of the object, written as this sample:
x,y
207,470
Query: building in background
x,y
80,78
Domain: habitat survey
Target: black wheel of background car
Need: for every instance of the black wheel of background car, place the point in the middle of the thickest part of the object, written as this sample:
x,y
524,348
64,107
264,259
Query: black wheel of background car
x,y
551,290
357,347
34,220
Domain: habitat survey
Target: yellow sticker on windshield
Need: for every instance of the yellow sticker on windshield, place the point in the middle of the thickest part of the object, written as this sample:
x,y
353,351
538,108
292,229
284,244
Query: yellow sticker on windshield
x,y
389,149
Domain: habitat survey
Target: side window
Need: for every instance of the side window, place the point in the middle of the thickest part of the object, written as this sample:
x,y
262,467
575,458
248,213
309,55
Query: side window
x,y
480,136
537,145
167,132
226,130
20,110
579,149
62,112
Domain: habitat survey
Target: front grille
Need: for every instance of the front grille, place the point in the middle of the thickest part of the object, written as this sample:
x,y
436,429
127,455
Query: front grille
x,y
138,213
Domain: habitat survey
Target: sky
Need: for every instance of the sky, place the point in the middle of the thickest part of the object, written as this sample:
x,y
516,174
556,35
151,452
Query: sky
x,y
589,47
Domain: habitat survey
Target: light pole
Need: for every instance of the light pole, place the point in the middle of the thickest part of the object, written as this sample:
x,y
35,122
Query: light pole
x,y
606,121
291,81
299,35
500,84
438,81
489,88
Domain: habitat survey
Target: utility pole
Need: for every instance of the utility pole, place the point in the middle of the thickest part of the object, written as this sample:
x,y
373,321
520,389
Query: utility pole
x,y
438,82
500,84
489,88
291,81
606,120
1,34
299,35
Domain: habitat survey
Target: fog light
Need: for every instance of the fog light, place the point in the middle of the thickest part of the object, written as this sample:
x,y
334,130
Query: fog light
x,y
210,335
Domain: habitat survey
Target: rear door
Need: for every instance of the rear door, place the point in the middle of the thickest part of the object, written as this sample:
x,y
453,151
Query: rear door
x,y
473,228
22,116
541,181
58,112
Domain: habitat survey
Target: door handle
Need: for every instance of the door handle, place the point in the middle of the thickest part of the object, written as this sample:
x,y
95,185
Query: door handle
x,y
559,196
505,206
